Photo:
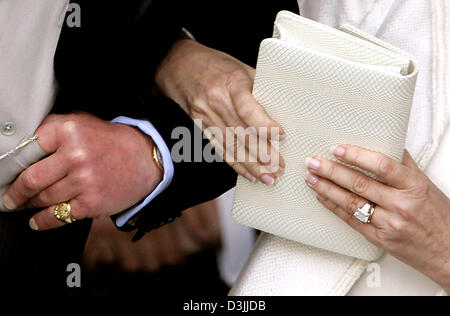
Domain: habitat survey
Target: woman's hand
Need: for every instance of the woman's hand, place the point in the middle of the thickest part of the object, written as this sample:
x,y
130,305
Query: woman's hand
x,y
412,216
216,88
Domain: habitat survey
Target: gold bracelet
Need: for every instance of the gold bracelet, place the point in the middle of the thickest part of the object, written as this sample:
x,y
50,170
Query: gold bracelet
x,y
157,157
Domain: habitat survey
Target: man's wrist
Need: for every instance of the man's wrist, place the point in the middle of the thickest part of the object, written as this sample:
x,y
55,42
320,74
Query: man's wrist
x,y
159,179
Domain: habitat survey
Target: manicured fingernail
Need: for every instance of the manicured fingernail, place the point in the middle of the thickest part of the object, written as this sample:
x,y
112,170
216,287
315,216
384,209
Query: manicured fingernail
x,y
8,203
276,170
268,180
250,177
339,151
33,224
311,179
280,172
321,198
278,137
313,163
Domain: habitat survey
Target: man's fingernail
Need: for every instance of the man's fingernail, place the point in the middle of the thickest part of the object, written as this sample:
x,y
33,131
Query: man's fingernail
x,y
268,180
9,203
313,163
33,224
250,177
311,179
339,151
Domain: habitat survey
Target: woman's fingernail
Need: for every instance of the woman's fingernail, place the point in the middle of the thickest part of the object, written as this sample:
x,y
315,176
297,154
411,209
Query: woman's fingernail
x,y
9,203
276,170
268,180
280,172
278,137
339,151
321,198
250,177
311,179
313,163
33,224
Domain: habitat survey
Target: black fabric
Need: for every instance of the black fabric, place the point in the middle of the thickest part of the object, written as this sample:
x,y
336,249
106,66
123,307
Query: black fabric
x,y
106,68
235,27
36,262
103,68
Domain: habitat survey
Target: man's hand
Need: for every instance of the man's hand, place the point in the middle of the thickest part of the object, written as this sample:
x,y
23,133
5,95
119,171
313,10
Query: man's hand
x,y
99,167
217,88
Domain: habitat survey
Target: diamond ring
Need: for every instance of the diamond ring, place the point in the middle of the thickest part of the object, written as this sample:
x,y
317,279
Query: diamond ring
x,y
364,214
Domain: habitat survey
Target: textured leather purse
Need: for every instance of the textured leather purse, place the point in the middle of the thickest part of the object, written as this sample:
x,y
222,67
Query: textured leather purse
x,y
326,87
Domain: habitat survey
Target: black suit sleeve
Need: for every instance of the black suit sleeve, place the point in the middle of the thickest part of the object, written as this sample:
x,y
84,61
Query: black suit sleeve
x,y
237,29
106,68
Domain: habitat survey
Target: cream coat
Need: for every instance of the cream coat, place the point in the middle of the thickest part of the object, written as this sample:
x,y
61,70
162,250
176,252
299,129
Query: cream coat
x,y
422,28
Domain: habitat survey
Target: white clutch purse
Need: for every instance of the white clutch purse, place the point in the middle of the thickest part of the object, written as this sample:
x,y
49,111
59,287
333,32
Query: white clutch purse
x,y
326,87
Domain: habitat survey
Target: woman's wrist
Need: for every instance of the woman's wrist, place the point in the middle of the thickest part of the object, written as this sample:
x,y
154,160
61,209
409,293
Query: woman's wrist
x,y
446,278
169,75
441,275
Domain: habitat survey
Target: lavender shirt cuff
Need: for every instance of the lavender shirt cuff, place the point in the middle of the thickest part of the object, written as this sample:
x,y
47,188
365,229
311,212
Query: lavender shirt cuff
x,y
147,128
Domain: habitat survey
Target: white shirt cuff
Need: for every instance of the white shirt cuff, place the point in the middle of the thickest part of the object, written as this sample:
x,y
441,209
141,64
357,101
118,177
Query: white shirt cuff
x,y
147,128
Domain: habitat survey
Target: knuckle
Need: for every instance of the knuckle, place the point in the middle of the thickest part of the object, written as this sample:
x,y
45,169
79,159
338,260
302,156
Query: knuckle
x,y
235,76
70,127
87,177
360,184
384,166
421,191
197,110
30,181
77,157
401,205
385,239
353,202
331,170
245,110
397,228
214,94
239,150
404,209
42,198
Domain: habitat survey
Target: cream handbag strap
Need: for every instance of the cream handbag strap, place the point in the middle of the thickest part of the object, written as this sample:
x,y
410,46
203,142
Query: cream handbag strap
x,y
281,267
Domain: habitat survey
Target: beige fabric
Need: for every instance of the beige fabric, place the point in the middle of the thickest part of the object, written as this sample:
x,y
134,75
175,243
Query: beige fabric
x,y
282,267
30,31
